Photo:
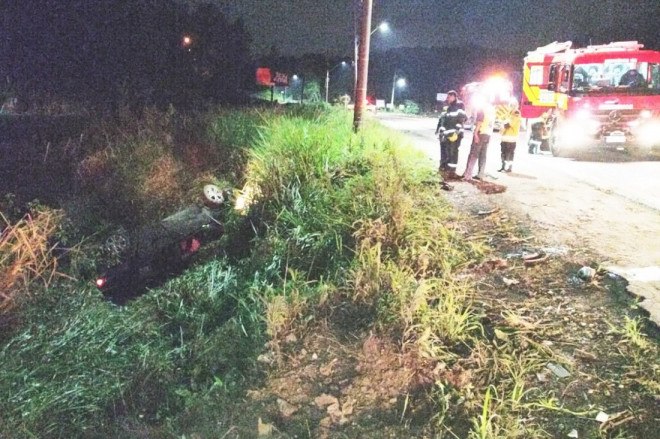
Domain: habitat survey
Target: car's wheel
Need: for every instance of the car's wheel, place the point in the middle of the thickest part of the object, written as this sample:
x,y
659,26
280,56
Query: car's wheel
x,y
213,195
117,244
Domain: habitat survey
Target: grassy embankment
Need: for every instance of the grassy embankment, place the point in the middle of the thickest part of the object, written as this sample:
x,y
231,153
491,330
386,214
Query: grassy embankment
x,y
350,235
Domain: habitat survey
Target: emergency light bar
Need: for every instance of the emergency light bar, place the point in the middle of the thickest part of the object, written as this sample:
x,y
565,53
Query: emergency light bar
x,y
553,47
629,45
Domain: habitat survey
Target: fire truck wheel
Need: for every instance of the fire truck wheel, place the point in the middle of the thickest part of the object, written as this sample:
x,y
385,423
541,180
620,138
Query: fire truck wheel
x,y
556,150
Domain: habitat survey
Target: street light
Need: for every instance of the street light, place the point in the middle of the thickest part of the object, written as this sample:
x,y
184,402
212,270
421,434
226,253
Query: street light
x,y
383,27
396,82
327,78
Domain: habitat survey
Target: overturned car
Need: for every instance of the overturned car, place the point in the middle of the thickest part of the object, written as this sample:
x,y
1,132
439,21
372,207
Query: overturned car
x,y
153,253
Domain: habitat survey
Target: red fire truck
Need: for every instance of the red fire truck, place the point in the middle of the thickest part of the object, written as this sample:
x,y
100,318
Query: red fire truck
x,y
605,96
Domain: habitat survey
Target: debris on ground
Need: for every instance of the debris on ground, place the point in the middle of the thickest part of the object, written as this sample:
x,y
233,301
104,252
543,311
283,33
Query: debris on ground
x,y
508,282
348,381
586,273
555,251
488,212
602,417
487,187
325,400
264,429
286,409
534,258
558,370
494,264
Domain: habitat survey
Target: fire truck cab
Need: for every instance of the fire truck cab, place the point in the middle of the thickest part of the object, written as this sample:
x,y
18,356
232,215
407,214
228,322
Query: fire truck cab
x,y
605,96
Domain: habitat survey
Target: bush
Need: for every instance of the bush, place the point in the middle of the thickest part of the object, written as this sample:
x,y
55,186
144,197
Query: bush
x,y
410,107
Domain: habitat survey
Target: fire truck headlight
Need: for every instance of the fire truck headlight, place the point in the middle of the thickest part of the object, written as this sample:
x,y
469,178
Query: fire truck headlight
x,y
645,114
584,122
573,133
648,134
593,126
583,114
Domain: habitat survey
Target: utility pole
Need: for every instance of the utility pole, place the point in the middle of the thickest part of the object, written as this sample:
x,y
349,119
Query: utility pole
x,y
363,67
327,83
357,5
393,89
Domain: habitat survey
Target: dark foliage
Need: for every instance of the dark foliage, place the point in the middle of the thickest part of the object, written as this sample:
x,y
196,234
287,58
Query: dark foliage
x,y
112,52
428,70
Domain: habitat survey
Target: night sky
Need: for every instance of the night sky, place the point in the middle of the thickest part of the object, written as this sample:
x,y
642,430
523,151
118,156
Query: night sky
x,y
306,26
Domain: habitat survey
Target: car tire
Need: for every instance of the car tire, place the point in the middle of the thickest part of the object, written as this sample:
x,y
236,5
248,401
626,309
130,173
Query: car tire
x,y
213,196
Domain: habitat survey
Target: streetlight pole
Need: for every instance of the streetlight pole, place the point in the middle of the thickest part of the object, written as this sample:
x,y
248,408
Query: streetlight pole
x,y
327,84
383,27
295,78
363,65
356,43
327,78
396,82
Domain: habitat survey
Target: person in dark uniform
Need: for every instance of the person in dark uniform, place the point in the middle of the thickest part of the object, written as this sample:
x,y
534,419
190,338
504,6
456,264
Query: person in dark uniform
x,y
450,132
632,78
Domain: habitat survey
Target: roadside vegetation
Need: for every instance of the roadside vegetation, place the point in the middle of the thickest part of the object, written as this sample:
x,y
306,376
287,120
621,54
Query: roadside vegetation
x,y
346,299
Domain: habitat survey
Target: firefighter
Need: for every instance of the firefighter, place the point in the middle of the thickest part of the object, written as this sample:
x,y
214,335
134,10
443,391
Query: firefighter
x,y
483,130
450,132
510,132
540,135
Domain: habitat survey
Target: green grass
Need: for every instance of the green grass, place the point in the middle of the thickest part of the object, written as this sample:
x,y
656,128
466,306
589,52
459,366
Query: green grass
x,y
338,216
78,366
78,361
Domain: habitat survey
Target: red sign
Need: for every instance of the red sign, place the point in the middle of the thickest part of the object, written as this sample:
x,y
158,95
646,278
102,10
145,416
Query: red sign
x,y
264,76
281,79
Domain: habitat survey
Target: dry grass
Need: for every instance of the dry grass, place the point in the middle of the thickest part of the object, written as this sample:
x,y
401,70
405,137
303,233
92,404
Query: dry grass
x,y
26,255
162,185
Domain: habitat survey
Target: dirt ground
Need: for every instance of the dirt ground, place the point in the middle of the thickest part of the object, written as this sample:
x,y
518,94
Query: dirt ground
x,y
608,203
343,378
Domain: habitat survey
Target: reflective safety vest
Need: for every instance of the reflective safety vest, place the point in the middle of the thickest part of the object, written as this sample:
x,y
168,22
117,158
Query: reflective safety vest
x,y
488,122
511,128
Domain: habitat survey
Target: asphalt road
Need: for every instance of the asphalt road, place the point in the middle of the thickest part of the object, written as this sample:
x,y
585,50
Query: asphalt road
x,y
606,202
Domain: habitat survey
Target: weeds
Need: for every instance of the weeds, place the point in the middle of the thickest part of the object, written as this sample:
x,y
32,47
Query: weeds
x,y
633,334
26,255
334,217
78,359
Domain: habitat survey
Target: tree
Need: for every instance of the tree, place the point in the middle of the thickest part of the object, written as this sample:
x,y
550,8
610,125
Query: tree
x,y
99,50
312,91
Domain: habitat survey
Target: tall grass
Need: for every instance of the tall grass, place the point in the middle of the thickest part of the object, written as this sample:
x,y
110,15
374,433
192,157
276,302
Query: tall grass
x,y
26,255
76,365
336,214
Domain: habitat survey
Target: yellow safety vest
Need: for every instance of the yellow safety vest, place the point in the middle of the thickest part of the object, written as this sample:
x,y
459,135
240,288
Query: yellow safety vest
x,y
487,124
511,128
